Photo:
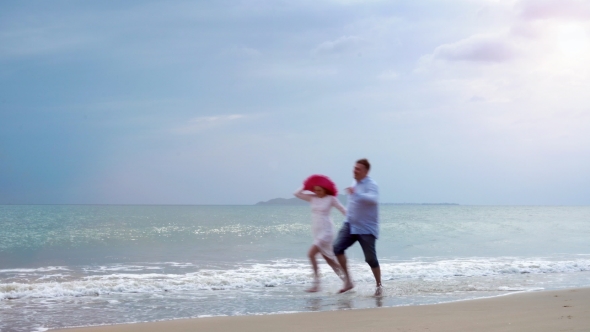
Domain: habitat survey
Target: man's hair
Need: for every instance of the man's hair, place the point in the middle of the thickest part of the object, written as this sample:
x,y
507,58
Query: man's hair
x,y
365,162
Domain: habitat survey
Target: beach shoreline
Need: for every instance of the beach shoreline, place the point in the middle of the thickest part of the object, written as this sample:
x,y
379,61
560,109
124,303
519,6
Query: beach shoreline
x,y
553,310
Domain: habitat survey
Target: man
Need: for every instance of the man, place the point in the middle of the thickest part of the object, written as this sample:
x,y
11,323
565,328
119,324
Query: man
x,y
361,224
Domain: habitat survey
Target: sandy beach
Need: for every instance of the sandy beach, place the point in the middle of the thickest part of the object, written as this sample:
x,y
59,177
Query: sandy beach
x,y
562,310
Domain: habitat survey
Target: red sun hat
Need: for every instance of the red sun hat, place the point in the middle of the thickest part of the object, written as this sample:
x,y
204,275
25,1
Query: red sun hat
x,y
322,181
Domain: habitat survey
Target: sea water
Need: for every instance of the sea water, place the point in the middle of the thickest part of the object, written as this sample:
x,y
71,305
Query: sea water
x,y
65,266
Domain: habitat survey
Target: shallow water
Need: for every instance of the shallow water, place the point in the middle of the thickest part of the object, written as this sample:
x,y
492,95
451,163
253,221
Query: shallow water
x,y
63,266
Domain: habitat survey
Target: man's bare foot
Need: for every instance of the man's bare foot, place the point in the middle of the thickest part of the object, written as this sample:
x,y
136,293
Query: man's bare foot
x,y
347,286
379,291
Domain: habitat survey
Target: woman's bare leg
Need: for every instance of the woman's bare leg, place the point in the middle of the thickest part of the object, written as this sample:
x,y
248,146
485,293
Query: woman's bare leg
x,y
313,251
335,266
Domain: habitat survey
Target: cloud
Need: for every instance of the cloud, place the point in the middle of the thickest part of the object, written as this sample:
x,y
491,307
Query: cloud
x,y
340,45
477,48
198,124
388,75
477,99
188,81
354,2
291,71
541,35
548,9
38,41
527,35
243,51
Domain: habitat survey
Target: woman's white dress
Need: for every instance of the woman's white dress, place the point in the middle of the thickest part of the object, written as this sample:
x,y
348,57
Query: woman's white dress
x,y
322,226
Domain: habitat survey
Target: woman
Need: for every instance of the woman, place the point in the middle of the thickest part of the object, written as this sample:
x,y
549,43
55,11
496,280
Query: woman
x,y
322,227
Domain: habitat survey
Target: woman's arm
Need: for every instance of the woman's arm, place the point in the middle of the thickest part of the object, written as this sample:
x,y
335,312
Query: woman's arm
x,y
336,204
299,194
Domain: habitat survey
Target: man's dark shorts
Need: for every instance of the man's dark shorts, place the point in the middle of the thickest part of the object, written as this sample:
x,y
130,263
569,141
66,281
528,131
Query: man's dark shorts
x,y
367,242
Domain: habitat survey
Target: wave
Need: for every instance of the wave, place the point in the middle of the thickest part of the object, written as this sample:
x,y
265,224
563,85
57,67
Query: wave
x,y
482,267
275,274
40,269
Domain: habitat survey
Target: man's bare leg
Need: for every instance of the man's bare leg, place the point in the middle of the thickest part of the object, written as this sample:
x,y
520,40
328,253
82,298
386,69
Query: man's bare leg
x,y
377,275
313,251
347,282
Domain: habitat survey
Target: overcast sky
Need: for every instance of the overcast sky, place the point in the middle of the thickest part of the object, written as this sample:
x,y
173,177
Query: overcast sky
x,y
235,102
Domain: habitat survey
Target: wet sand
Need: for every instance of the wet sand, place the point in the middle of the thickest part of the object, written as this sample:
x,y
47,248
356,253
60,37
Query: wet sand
x,y
563,310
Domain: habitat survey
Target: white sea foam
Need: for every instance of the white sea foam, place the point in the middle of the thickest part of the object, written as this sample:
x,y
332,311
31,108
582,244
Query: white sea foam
x,y
135,267
116,268
40,329
287,272
476,267
255,276
41,269
181,265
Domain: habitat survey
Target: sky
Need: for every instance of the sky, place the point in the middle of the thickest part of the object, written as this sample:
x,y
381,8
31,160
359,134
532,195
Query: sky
x,y
235,102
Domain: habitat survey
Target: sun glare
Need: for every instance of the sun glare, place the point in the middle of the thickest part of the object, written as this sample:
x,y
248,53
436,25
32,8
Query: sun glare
x,y
572,41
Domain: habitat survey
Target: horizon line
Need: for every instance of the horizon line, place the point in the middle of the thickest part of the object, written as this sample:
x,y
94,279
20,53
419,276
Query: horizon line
x,y
257,204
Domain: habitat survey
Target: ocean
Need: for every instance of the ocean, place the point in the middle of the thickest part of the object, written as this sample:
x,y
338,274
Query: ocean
x,y
82,265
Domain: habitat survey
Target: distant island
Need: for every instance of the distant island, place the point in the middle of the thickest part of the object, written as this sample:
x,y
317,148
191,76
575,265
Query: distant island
x,y
294,201
341,198
419,203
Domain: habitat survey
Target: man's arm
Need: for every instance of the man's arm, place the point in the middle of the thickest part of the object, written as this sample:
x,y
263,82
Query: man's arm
x,y
371,196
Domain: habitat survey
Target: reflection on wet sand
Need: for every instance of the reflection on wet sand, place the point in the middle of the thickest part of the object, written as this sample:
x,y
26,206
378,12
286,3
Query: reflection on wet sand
x,y
314,304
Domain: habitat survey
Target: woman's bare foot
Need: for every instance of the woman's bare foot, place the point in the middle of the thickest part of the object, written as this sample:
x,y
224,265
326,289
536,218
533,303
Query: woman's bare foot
x,y
315,287
347,286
